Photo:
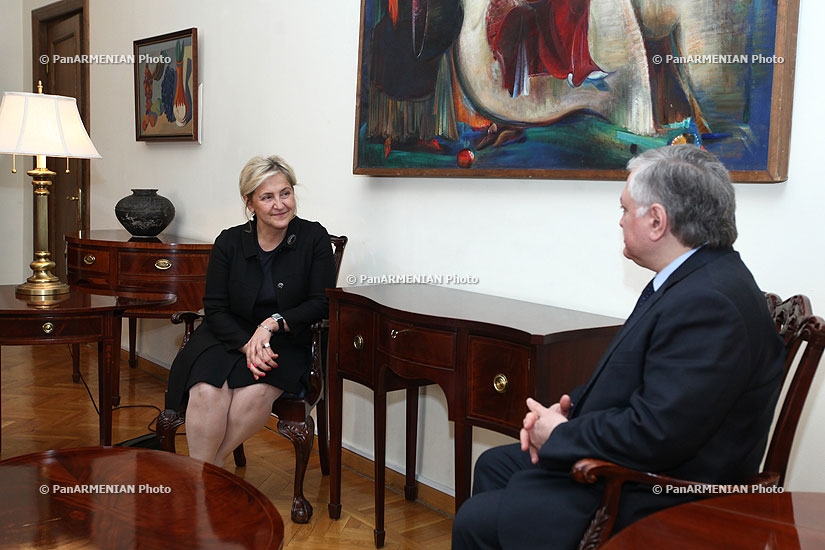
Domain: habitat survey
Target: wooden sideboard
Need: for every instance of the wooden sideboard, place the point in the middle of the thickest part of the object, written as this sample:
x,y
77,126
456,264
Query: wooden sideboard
x,y
114,259
488,354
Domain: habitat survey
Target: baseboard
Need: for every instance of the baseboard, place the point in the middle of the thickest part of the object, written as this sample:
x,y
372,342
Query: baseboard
x,y
395,481
155,370
364,466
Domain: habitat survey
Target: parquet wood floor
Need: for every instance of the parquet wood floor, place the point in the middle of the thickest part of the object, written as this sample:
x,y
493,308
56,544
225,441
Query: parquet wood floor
x,y
42,409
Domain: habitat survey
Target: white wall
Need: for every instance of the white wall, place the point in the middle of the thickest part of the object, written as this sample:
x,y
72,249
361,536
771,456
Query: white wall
x,y
280,77
14,188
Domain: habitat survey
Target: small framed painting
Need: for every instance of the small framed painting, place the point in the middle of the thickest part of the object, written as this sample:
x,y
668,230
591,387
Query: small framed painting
x,y
166,87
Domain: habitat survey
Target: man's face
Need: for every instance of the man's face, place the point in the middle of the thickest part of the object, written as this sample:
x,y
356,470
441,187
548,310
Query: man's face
x,y
634,228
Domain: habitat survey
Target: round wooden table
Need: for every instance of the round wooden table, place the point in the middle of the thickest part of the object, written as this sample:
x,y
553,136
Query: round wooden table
x,y
792,521
120,497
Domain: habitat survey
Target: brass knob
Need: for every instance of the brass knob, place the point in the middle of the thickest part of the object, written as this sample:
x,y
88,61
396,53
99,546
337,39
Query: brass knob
x,y
89,259
358,341
163,264
500,383
394,334
48,327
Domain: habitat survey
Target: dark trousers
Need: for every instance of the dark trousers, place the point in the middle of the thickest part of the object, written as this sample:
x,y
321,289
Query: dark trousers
x,y
518,505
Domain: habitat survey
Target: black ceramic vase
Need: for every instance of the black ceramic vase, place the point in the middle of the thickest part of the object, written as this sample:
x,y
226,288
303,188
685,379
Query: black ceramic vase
x,y
144,213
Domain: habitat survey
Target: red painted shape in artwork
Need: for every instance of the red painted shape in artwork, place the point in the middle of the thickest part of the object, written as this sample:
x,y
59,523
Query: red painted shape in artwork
x,y
551,35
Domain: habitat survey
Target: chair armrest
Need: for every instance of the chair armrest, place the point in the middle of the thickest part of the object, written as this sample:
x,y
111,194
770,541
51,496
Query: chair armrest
x,y
188,319
590,470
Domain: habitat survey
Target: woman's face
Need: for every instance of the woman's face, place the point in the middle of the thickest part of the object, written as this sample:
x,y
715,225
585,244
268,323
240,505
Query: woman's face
x,y
273,203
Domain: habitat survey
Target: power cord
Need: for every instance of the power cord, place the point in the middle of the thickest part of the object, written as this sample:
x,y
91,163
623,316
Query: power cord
x,y
149,427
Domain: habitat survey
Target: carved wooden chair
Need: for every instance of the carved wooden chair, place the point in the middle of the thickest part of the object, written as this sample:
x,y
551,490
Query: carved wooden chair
x,y
292,410
796,324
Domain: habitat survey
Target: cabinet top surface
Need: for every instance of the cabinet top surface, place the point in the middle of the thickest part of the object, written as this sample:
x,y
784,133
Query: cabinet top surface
x,y
120,238
461,305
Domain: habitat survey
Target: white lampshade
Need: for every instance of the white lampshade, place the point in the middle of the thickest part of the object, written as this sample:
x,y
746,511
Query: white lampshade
x,y
43,124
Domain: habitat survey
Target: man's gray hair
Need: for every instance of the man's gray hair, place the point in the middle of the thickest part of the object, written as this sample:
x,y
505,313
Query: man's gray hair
x,y
693,187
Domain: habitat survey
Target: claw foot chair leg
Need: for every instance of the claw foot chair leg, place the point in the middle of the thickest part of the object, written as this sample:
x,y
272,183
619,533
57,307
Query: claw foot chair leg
x,y
301,434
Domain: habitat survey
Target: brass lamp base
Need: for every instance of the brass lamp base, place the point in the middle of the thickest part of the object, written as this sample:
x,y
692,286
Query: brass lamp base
x,y
41,289
43,284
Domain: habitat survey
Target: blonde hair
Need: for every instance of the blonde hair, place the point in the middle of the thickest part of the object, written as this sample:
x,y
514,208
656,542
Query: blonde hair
x,y
259,168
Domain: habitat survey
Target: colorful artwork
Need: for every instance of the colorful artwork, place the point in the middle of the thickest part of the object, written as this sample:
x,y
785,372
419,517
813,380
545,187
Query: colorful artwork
x,y
166,87
572,89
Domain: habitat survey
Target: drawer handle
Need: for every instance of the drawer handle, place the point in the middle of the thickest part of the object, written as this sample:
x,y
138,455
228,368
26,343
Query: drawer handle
x,y
358,341
89,259
500,383
48,327
396,333
163,264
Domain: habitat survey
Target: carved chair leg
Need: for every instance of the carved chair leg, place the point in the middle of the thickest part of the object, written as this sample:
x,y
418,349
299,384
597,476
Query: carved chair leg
x,y
323,435
240,457
167,425
301,435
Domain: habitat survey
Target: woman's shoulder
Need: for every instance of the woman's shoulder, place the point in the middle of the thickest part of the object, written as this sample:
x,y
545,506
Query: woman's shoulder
x,y
233,236
310,227
235,231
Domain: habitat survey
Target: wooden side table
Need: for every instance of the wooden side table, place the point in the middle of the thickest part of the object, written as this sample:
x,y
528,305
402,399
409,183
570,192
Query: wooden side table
x,y
114,259
73,318
119,497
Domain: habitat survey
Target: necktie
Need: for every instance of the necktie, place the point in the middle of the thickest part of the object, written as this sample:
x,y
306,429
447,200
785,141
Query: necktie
x,y
647,292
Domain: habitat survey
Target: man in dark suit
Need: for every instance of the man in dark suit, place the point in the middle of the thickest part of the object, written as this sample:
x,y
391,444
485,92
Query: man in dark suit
x,y
687,388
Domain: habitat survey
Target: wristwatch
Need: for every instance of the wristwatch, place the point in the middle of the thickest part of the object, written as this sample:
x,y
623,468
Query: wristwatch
x,y
278,319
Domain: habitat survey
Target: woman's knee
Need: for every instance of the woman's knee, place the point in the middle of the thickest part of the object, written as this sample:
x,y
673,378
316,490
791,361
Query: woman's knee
x,y
207,393
259,396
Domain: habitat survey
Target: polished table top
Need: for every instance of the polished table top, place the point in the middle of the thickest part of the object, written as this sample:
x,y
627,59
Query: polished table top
x,y
787,521
545,323
119,497
80,300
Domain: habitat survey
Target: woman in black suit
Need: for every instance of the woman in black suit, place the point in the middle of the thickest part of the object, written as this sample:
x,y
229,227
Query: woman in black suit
x,y
265,286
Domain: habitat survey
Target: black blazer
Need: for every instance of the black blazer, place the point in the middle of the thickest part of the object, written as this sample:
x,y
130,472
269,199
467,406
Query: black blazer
x,y
689,384
687,388
302,273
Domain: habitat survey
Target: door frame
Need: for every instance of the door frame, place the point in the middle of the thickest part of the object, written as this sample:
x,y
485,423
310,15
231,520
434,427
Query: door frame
x,y
40,18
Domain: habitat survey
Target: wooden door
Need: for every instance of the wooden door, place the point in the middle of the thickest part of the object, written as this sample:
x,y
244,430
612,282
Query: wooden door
x,y
62,29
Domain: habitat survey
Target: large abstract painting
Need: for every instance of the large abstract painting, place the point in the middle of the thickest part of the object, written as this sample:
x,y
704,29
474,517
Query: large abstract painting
x,y
572,89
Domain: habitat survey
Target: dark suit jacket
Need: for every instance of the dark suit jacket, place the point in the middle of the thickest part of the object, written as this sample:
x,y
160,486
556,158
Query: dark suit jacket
x,y
302,273
687,388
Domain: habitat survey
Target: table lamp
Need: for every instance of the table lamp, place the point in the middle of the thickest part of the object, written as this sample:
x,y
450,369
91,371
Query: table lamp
x,y
46,126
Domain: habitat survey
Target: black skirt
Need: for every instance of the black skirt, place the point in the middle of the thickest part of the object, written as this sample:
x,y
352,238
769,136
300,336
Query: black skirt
x,y
217,365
